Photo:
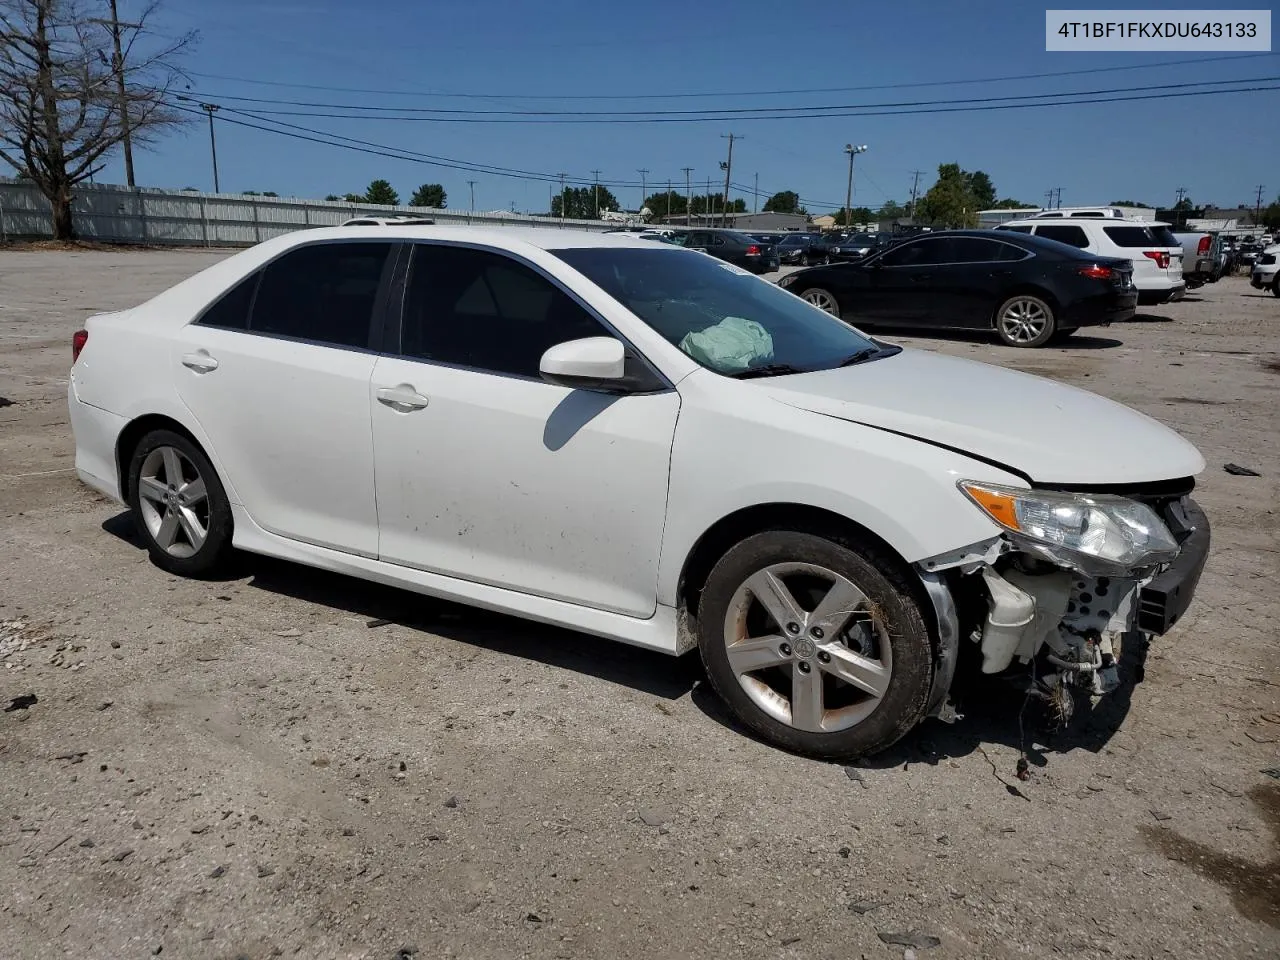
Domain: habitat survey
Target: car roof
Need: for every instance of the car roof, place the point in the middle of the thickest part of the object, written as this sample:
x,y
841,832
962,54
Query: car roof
x,y
512,238
1103,221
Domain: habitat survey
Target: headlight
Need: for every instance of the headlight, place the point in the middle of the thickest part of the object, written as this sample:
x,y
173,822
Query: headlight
x,y
788,280
1099,534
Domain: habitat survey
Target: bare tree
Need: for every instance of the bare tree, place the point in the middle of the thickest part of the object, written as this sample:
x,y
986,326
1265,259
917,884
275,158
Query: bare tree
x,y
66,98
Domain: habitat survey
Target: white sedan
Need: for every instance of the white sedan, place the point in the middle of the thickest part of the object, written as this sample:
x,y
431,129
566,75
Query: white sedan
x,y
649,445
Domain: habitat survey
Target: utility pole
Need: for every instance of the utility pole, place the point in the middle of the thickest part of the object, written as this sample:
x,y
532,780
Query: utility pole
x,y
1257,205
1048,199
563,197
852,151
117,67
728,172
755,202
668,200
1058,198
472,208
596,175
710,211
688,198
644,186
211,109
1182,192
915,190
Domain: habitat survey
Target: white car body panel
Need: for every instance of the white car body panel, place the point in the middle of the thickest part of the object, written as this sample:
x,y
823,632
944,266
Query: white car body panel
x,y
319,471
524,484
1148,275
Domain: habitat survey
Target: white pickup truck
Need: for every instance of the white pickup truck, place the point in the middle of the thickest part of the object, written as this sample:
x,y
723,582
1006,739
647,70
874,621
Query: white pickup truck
x,y
1202,256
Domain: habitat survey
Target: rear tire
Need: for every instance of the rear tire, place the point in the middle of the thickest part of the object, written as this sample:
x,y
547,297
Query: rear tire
x,y
178,503
849,672
804,259
1025,321
1275,286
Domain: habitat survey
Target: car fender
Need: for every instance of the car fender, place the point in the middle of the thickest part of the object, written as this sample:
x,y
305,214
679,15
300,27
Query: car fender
x,y
753,451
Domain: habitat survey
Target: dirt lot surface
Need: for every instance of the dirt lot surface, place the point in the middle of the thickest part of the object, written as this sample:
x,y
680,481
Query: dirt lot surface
x,y
248,768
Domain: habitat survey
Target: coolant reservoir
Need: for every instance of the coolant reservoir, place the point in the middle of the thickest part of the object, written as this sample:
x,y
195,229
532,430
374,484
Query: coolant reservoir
x,y
1024,608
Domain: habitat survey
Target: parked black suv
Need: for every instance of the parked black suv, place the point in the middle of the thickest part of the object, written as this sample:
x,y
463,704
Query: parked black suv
x,y
804,249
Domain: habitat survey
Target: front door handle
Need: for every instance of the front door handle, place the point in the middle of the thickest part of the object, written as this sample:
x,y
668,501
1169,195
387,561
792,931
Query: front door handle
x,y
200,362
402,398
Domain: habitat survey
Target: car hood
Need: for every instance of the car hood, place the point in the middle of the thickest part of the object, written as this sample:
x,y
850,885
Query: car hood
x,y
1045,430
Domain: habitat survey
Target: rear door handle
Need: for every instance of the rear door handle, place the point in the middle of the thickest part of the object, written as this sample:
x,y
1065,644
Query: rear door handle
x,y
200,362
402,398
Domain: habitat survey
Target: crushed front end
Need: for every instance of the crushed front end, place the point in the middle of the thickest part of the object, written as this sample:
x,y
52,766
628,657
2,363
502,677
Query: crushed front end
x,y
1077,574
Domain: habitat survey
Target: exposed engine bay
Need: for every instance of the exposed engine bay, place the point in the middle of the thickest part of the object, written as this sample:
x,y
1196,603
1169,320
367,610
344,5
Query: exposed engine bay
x,y
1055,622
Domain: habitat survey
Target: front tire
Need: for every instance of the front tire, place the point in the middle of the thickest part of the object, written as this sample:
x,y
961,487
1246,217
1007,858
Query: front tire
x,y
1025,321
804,260
822,299
819,647
178,503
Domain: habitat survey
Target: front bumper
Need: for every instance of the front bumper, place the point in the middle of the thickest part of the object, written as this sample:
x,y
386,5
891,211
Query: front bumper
x,y
1165,598
1262,279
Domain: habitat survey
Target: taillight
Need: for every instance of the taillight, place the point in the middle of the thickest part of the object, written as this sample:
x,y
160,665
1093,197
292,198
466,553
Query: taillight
x,y
1203,248
1159,256
78,340
753,251
1096,271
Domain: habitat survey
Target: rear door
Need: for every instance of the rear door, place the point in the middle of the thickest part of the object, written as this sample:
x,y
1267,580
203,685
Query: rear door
x,y
904,283
969,288
277,374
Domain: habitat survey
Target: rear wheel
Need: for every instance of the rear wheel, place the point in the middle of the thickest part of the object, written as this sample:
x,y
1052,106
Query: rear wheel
x,y
1275,286
1025,321
804,259
822,299
178,503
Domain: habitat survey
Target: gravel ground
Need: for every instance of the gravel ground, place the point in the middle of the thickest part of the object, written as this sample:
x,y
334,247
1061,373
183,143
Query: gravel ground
x,y
249,768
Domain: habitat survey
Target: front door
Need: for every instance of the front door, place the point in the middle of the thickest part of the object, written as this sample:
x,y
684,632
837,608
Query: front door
x,y
277,374
486,472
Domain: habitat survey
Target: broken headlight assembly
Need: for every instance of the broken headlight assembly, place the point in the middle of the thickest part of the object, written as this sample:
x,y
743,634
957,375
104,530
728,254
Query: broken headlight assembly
x,y
1096,534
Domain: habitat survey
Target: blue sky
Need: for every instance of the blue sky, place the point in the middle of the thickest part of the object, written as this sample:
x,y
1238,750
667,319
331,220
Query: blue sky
x,y
1219,148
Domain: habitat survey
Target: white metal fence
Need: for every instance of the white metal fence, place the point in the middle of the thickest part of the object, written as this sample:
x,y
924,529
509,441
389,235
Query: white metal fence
x,y
117,214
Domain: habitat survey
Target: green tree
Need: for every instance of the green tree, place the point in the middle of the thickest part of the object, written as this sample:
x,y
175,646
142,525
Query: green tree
x,y
380,191
1270,215
949,202
784,201
892,210
430,195
355,198
250,193
1127,203
579,203
855,216
270,193
1009,203
983,190
332,197
664,203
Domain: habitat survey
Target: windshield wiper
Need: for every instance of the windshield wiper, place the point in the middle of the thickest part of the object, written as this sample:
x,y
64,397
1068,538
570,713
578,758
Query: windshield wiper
x,y
767,370
869,353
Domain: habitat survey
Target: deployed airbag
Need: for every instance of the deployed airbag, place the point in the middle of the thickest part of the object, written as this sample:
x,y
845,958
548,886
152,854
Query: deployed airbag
x,y
729,346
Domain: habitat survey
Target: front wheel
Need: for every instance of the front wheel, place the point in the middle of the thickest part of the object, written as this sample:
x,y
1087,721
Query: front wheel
x,y
822,299
819,647
178,503
804,259
1025,321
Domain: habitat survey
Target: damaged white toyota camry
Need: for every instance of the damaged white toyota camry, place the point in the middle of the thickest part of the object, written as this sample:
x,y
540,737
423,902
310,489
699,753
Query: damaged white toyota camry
x,y
650,445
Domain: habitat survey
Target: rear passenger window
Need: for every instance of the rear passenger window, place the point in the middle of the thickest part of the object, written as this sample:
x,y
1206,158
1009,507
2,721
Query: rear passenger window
x,y
478,309
975,250
1130,236
1064,233
231,312
324,292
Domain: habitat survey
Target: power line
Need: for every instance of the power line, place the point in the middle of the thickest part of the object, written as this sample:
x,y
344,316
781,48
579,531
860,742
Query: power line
x,y
458,114
725,93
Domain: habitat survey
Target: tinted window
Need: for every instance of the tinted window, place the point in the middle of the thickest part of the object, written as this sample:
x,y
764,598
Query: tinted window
x,y
1165,236
1015,229
1009,252
232,311
1064,233
484,310
975,250
324,292
722,317
1130,236
919,253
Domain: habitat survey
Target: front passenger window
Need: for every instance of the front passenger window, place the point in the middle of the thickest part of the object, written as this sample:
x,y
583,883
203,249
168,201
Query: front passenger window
x,y
479,309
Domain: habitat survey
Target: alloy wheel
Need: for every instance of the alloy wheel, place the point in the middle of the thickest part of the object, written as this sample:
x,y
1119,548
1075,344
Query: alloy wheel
x,y
822,300
808,647
1023,320
173,501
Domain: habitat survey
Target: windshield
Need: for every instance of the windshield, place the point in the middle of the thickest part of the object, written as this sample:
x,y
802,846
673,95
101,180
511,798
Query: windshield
x,y
720,315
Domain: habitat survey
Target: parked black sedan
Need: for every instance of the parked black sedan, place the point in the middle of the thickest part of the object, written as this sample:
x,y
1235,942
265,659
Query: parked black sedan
x,y
732,246
1026,288
857,246
803,248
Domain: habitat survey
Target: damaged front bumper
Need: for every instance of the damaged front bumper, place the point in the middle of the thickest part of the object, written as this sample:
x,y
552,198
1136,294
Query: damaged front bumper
x,y
1063,625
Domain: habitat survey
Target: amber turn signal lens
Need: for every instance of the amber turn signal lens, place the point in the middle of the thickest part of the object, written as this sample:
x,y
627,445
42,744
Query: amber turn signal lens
x,y
999,506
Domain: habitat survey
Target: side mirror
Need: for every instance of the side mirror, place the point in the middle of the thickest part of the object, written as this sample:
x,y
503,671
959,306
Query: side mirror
x,y
592,363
